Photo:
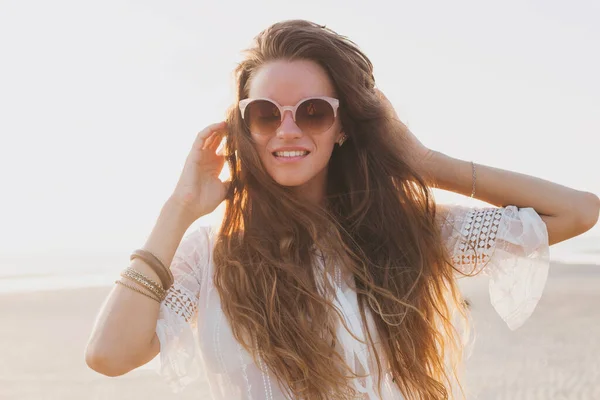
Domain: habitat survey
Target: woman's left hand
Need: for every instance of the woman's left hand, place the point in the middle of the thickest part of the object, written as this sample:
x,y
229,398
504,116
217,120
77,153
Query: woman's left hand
x,y
420,155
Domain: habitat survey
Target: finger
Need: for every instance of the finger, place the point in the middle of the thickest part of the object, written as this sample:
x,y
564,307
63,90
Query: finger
x,y
213,141
206,132
221,148
217,141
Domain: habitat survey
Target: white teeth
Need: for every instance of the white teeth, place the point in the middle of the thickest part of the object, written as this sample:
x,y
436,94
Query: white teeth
x,y
290,153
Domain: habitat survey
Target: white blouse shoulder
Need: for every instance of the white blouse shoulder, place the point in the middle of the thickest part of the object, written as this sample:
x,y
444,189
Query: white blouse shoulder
x,y
178,314
509,245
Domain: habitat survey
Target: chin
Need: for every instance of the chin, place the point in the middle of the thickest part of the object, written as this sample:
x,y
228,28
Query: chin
x,y
290,181
291,178
305,177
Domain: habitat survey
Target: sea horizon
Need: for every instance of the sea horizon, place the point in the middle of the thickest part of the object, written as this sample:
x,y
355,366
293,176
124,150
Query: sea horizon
x,y
62,269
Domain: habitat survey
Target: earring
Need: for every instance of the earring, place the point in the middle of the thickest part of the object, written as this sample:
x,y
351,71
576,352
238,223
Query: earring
x,y
342,140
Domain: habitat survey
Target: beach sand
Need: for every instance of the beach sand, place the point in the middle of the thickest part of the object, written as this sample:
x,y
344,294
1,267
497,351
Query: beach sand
x,y
555,355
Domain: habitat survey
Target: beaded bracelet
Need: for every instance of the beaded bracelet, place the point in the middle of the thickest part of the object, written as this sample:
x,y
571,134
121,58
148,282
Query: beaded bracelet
x,y
147,283
137,290
165,275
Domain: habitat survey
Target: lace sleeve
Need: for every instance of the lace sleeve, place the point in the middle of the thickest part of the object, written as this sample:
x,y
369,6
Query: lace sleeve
x,y
179,356
509,245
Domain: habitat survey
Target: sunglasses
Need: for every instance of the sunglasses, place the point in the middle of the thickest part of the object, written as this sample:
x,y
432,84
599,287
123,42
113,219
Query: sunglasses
x,y
313,115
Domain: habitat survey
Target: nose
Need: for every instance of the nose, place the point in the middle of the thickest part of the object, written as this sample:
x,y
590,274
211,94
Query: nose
x,y
288,128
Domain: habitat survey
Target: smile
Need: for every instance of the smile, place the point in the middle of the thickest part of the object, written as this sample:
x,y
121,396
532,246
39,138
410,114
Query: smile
x,y
290,156
290,153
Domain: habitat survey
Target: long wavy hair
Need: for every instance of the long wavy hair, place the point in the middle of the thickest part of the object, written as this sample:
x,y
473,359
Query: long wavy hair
x,y
378,222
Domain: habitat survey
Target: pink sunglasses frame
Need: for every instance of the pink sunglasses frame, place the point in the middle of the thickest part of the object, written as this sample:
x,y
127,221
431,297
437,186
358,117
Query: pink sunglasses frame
x,y
335,103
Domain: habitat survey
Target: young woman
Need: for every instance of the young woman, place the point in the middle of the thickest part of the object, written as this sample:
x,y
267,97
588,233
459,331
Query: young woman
x,y
333,274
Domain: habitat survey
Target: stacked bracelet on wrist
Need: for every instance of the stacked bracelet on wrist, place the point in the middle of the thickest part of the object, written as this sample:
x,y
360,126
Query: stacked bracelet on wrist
x,y
146,282
135,289
165,275
153,290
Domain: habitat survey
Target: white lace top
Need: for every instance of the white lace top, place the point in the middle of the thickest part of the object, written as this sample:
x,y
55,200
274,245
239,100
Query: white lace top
x,y
510,244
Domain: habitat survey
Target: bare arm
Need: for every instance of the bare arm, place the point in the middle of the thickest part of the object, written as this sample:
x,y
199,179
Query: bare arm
x,y
567,212
123,337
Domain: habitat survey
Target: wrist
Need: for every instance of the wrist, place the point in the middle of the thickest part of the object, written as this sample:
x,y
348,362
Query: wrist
x,y
429,167
176,212
451,174
166,235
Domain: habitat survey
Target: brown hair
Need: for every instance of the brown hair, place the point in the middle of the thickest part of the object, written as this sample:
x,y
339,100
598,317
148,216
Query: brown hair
x,y
378,223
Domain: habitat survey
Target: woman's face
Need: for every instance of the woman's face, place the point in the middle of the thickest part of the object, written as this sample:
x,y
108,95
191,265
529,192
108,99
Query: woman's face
x,y
286,83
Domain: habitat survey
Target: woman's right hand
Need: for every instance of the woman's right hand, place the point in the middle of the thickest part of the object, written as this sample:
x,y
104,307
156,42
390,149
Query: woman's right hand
x,y
199,190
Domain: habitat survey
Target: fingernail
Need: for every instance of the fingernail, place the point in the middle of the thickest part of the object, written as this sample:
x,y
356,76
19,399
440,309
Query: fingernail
x,y
221,149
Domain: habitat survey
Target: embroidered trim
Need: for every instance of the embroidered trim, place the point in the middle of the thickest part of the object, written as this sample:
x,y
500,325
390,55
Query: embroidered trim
x,y
180,302
478,237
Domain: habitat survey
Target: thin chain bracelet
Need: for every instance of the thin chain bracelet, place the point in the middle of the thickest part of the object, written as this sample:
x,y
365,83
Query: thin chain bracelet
x,y
137,290
159,295
142,279
474,179
137,273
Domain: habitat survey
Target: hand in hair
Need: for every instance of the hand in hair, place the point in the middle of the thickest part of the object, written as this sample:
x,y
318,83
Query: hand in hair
x,y
421,154
199,190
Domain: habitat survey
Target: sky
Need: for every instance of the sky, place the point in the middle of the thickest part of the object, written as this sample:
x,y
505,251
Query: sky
x,y
100,101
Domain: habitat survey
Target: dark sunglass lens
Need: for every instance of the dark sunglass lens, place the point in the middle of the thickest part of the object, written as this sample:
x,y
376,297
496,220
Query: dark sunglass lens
x,y
314,116
262,117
